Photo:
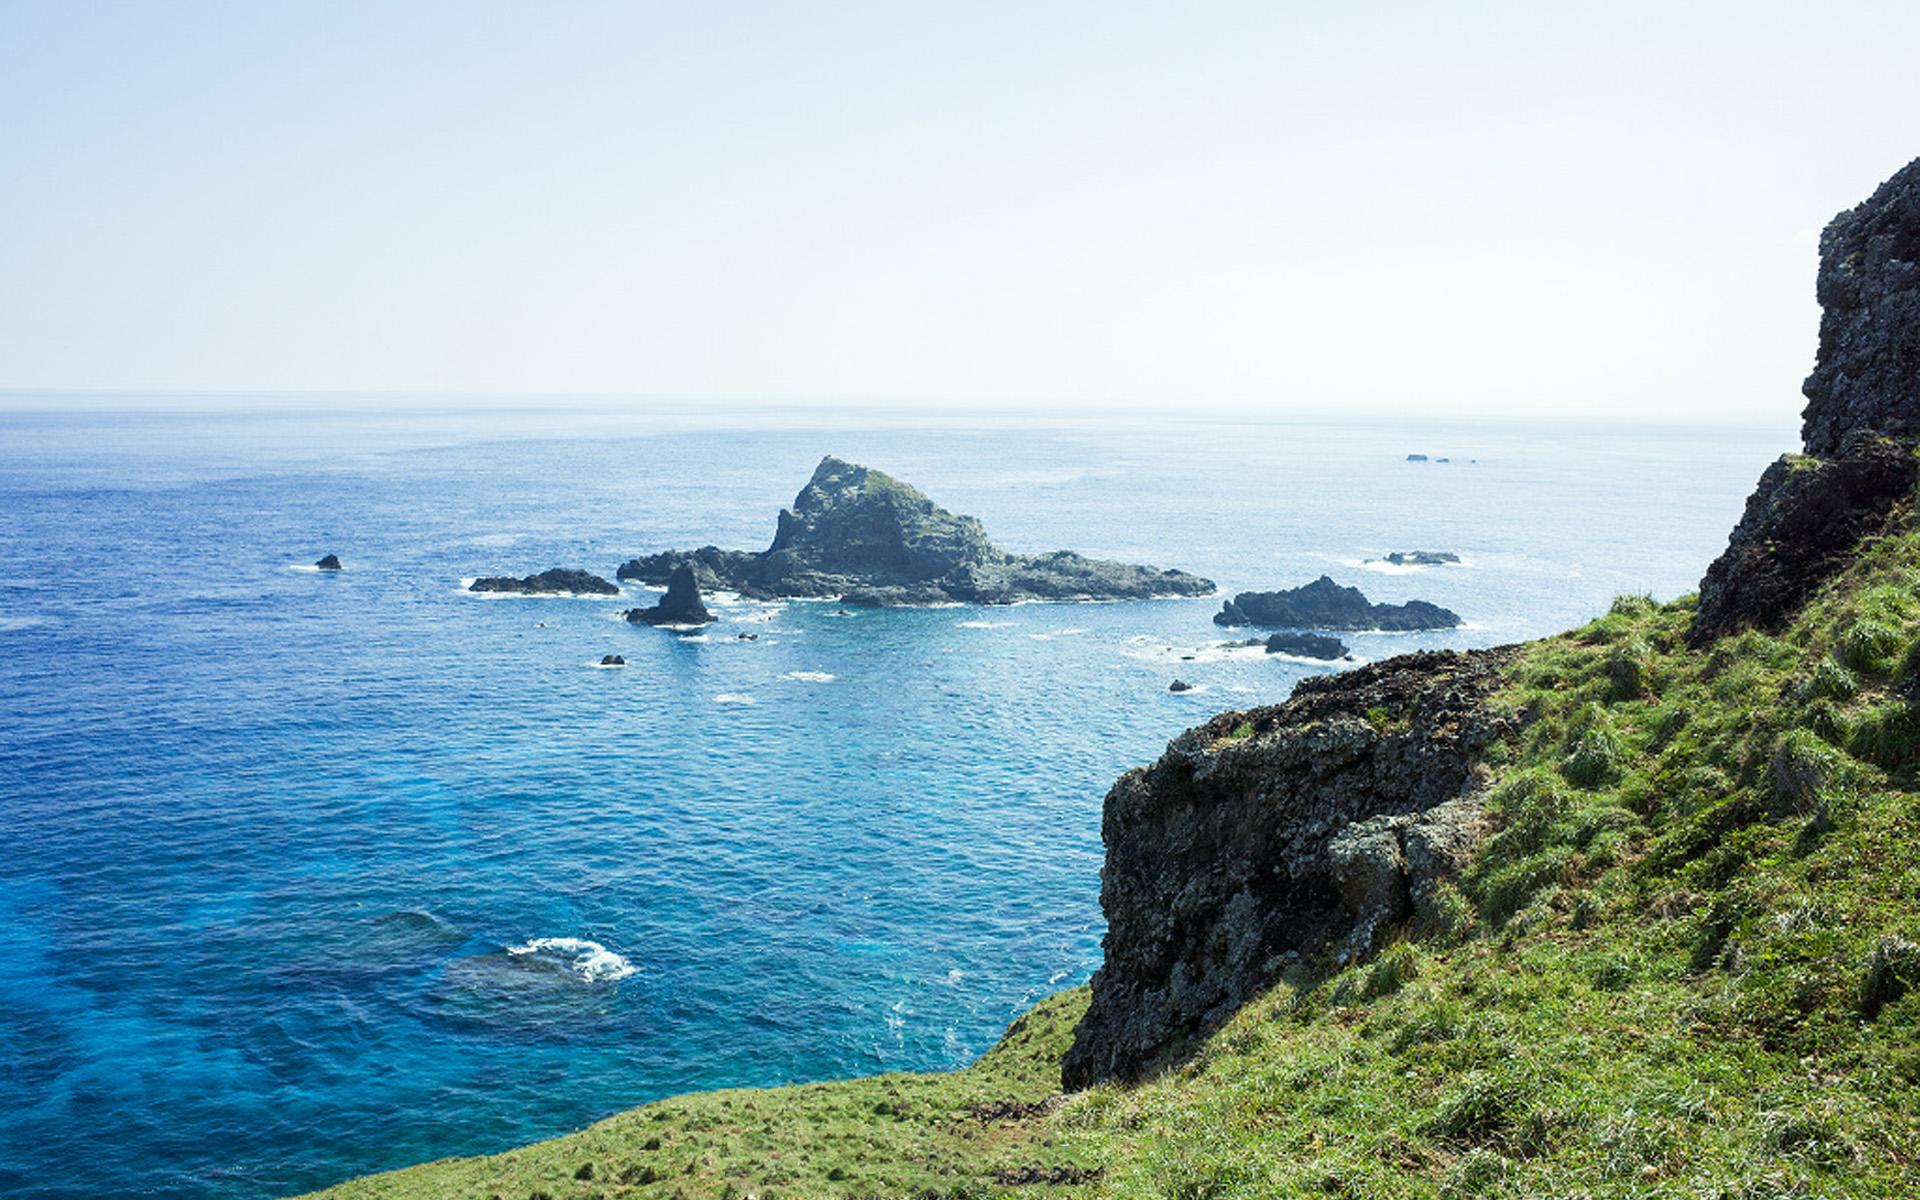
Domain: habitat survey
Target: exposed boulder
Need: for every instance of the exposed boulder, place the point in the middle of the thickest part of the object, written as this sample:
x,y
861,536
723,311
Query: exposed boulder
x,y
1860,426
1324,604
612,660
1268,835
555,581
863,536
330,563
1179,685
1306,645
680,606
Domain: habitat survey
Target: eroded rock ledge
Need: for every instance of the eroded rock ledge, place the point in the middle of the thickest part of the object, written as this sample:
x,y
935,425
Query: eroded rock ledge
x,y
1267,836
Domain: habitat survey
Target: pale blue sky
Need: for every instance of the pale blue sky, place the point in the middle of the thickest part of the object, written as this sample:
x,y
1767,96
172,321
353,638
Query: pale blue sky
x,y
1595,210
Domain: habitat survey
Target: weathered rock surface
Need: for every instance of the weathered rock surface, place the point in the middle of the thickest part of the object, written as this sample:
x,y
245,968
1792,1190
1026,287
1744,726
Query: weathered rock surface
x,y
1267,835
1306,645
1324,604
554,581
863,536
1800,526
330,563
1860,426
1867,374
680,606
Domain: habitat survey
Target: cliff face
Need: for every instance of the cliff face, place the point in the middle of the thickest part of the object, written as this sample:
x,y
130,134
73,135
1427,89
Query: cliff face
x,y
1267,837
868,538
1860,425
1262,837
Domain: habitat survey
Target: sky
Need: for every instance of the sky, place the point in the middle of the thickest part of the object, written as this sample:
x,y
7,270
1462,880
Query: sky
x,y
1539,209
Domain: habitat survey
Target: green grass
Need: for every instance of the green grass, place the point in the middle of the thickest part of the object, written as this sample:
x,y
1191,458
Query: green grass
x,y
1687,964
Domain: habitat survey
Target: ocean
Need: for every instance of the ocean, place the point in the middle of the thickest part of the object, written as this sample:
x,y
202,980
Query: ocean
x,y
310,875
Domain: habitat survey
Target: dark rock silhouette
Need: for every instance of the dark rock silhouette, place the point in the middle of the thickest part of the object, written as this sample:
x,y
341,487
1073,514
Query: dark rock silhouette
x,y
1421,558
680,606
612,660
330,563
1306,645
873,541
1860,426
1324,604
553,581
1179,685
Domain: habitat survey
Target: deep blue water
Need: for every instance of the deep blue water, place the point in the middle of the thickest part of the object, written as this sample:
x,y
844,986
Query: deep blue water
x,y
271,836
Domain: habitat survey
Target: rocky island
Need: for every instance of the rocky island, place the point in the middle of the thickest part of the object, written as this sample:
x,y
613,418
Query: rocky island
x,y
330,563
1324,604
555,581
680,606
1420,558
868,539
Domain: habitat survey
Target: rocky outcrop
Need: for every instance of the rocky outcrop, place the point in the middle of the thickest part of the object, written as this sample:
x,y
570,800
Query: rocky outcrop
x,y
1860,426
1324,604
1306,645
1264,837
863,536
680,606
1800,526
555,581
330,563
1421,558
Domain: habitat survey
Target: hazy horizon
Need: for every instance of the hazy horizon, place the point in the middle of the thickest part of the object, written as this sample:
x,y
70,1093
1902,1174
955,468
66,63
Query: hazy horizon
x,y
1241,210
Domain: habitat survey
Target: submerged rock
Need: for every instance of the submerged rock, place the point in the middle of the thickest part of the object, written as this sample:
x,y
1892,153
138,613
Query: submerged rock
x,y
330,563
873,541
1307,645
1860,427
680,606
1324,604
553,581
1277,832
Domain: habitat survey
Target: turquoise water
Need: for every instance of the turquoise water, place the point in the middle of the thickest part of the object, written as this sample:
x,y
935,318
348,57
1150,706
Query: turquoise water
x,y
282,847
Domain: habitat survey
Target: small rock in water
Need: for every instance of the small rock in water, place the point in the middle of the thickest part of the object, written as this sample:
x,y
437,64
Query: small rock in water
x,y
747,637
1416,458
613,660
1179,685
330,563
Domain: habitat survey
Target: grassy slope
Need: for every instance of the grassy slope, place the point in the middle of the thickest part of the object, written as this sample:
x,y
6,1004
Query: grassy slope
x,y
1680,969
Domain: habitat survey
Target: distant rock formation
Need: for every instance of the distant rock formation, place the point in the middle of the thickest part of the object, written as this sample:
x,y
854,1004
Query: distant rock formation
x,y
1324,604
1421,558
1263,837
1416,458
680,606
1861,424
1179,685
553,581
871,540
1306,645
612,660
330,563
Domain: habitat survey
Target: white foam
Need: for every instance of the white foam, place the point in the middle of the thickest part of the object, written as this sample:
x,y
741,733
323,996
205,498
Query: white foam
x,y
984,624
13,624
1219,651
494,539
1058,633
605,666
591,961
733,698
810,676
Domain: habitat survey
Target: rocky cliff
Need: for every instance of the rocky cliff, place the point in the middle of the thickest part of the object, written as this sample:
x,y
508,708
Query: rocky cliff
x,y
1264,837
867,538
1860,426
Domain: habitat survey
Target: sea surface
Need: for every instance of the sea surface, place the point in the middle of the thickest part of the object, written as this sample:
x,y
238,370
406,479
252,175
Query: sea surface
x,y
309,875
